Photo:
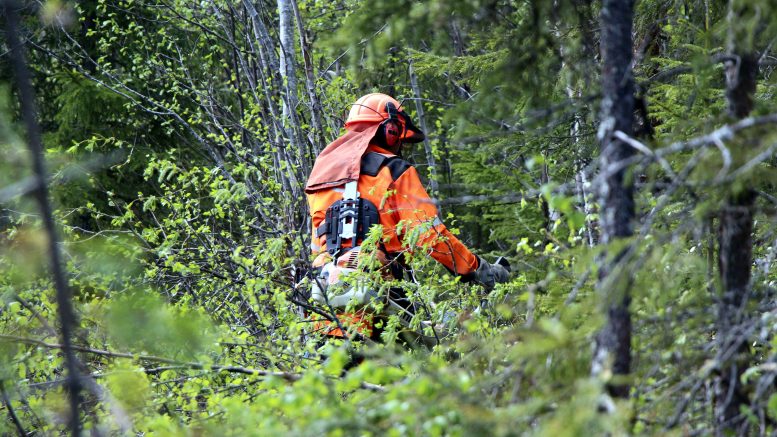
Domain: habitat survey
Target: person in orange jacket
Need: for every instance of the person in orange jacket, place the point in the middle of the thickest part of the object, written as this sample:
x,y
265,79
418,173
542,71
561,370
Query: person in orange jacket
x,y
388,190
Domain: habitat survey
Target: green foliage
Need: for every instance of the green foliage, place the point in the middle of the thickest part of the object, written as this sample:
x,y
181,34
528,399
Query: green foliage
x,y
179,333
178,174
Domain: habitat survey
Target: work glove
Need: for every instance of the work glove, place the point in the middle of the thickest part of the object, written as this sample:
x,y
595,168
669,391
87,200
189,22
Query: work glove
x,y
490,274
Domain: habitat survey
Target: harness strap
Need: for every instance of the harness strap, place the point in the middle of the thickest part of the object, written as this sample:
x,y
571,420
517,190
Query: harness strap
x,y
352,216
372,162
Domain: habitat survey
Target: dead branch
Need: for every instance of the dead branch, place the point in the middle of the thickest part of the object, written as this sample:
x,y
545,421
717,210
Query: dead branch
x,y
288,376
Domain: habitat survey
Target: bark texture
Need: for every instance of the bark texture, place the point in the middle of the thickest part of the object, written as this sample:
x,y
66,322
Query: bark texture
x,y
288,68
735,258
419,107
317,137
613,344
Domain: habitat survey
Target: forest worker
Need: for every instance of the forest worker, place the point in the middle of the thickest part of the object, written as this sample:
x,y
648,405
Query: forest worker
x,y
360,180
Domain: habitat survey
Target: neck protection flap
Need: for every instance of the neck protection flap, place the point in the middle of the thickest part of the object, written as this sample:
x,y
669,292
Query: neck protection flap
x,y
340,161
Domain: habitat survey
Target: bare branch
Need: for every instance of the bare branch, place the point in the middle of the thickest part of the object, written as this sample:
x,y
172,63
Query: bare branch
x,y
11,413
288,376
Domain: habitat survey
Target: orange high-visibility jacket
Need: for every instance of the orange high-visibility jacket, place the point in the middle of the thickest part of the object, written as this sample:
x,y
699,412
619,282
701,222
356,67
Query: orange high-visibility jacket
x,y
396,190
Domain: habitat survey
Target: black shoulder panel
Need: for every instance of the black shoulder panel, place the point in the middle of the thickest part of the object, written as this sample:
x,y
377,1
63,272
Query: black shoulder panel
x,y
372,162
398,166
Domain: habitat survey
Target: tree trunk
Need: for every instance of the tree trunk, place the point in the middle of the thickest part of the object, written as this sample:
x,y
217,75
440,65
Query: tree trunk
x,y
285,126
289,79
67,317
317,138
612,353
419,107
735,258
286,36
581,182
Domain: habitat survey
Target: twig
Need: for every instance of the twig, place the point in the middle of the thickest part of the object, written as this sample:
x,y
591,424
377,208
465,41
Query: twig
x,y
726,154
11,413
510,198
666,75
721,134
683,405
646,151
576,289
27,305
749,165
119,414
32,341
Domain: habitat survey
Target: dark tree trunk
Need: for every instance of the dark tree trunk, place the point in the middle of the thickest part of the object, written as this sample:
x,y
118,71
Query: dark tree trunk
x,y
735,257
740,84
613,344
67,317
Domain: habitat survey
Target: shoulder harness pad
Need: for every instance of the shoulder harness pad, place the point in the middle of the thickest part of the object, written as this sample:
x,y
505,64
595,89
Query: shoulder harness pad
x,y
372,162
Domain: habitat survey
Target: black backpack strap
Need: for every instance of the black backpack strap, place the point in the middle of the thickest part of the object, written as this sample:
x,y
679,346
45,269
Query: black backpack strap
x,y
372,162
397,166
323,229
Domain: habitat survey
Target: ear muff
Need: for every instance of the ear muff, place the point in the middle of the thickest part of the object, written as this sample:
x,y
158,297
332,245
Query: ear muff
x,y
392,127
392,132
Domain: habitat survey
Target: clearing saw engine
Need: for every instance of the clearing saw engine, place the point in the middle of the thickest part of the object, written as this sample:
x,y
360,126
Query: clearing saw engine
x,y
349,295
330,287
346,225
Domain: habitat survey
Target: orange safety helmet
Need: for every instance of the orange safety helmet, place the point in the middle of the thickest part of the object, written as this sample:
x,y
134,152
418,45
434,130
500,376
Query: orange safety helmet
x,y
382,108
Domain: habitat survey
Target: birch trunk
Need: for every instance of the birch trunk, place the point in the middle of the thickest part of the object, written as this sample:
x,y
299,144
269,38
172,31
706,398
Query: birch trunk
x,y
419,108
317,138
288,70
288,82
291,166
581,184
288,67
